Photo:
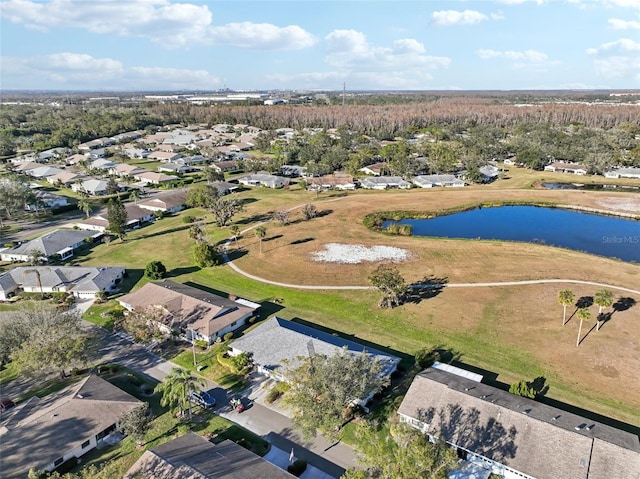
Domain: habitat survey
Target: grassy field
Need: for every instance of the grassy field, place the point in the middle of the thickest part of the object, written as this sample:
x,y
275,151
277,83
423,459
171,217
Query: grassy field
x,y
511,333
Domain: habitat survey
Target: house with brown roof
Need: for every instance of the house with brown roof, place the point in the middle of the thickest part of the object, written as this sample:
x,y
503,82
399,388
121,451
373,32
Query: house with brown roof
x,y
193,457
514,436
331,182
136,218
572,168
376,169
163,155
44,433
169,202
154,177
125,169
198,314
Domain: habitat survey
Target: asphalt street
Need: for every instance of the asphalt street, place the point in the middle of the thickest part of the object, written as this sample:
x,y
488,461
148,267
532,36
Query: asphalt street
x,y
271,424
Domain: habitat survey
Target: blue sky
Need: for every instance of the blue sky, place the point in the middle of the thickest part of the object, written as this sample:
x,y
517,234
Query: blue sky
x,y
136,45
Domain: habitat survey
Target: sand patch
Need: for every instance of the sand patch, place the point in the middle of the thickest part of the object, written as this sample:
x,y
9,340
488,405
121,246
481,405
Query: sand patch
x,y
356,253
620,204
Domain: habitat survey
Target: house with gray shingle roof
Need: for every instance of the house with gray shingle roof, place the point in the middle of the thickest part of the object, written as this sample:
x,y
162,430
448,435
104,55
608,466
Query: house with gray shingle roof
x,y
93,187
193,457
44,433
270,181
82,282
277,342
61,242
431,181
514,436
384,183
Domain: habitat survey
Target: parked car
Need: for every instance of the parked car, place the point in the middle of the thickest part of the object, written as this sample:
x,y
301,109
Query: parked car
x,y
6,404
202,398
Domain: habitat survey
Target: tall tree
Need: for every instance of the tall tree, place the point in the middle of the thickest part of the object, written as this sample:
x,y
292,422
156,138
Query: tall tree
x,y
583,315
565,298
212,175
35,271
36,257
176,388
84,205
603,298
260,233
117,217
135,196
135,423
325,388
404,453
390,283
54,341
112,186
224,208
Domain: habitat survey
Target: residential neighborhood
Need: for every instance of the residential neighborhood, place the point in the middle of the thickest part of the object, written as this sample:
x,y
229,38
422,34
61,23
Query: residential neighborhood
x,y
256,289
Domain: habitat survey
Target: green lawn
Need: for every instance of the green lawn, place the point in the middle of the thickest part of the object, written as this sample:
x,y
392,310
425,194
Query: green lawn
x,y
115,460
210,366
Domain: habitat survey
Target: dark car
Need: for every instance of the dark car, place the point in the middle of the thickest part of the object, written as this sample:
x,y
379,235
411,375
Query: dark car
x,y
6,404
202,398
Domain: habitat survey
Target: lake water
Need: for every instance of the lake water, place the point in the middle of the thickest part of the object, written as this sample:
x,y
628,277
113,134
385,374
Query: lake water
x,y
601,235
588,186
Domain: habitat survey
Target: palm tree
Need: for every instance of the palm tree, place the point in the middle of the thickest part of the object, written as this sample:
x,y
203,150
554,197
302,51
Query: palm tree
x,y
135,196
85,206
235,231
603,298
261,232
565,298
583,315
176,389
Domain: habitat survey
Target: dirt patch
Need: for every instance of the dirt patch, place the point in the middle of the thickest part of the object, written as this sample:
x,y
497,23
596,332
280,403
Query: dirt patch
x,y
620,204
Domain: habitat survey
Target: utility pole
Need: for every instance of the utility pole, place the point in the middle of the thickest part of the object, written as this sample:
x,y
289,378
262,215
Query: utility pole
x,y
344,92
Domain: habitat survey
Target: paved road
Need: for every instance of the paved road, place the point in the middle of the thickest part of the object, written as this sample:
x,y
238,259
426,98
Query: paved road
x,y
274,426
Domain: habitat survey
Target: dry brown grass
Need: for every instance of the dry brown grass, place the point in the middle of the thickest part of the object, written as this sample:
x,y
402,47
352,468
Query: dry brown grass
x,y
527,318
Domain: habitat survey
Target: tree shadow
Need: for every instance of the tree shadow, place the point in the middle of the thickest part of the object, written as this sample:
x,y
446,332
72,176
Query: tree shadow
x,y
623,304
247,201
162,232
271,238
584,302
426,288
539,385
323,213
259,218
301,241
235,254
465,428
583,338
180,271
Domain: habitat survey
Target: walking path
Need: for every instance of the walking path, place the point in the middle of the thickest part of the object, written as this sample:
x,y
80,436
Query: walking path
x,y
234,267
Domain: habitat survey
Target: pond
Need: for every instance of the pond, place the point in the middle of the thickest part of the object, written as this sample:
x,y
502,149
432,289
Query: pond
x,y
595,186
602,235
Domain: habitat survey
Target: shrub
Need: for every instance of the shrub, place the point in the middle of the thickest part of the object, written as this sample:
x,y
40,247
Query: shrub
x,y
188,219
155,270
201,343
10,244
523,388
228,336
298,467
272,395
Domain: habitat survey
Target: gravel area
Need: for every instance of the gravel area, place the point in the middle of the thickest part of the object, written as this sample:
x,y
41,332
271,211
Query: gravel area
x,y
356,253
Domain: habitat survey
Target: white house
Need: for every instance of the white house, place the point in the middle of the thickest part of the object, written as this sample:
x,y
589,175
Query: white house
x,y
198,314
270,181
58,242
82,282
572,168
623,173
430,181
93,187
169,202
512,436
331,182
384,183
44,433
278,344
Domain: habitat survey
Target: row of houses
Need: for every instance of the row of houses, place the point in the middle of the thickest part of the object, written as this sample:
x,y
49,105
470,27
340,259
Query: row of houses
x,y
578,169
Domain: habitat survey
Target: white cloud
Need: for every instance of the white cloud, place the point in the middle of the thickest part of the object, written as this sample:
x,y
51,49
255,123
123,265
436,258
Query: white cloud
x,y
163,22
455,17
349,50
625,3
618,24
531,56
80,71
263,36
620,58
